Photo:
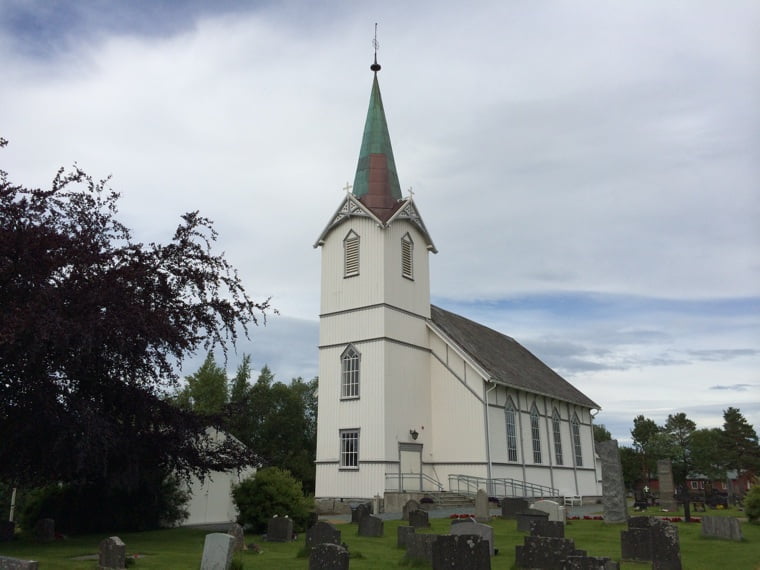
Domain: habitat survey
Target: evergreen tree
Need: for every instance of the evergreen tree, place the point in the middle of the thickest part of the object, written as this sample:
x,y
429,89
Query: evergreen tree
x,y
206,390
739,442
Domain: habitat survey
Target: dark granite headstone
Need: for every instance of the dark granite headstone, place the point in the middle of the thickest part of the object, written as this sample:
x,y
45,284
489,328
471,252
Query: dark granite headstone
x,y
727,528
7,530
371,526
359,512
322,533
8,563
402,535
327,556
112,554
510,506
529,515
636,544
420,547
419,519
641,522
544,552
280,529
553,529
666,548
237,531
44,530
411,505
461,551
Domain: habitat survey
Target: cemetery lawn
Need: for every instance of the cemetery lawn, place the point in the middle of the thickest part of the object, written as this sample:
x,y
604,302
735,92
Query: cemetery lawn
x,y
180,549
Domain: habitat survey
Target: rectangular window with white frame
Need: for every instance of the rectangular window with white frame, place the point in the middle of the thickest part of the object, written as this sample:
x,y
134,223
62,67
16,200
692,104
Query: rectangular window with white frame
x,y
349,449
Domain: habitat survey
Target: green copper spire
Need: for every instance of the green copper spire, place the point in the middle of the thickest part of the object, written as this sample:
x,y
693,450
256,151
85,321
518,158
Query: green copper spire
x,y
376,182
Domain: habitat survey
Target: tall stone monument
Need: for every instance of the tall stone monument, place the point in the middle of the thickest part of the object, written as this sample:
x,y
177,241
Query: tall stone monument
x,y
613,487
667,488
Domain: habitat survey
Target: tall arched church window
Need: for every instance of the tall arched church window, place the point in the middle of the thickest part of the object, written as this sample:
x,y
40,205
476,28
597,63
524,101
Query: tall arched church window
x,y
576,427
535,434
557,432
407,256
351,254
349,370
509,412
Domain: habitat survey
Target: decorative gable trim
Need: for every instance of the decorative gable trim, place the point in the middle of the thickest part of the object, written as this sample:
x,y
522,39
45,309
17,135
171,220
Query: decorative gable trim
x,y
350,206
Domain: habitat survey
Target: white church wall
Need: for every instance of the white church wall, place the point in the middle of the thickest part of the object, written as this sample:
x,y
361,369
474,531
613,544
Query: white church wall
x,y
409,294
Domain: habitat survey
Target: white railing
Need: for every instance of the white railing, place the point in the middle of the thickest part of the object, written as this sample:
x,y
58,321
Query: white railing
x,y
404,482
469,485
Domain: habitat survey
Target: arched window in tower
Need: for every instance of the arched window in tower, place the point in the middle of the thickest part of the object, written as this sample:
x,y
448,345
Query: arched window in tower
x,y
576,427
349,367
407,257
556,424
351,254
535,434
509,412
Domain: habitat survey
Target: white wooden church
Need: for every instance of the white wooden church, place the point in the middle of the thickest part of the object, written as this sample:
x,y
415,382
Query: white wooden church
x,y
413,397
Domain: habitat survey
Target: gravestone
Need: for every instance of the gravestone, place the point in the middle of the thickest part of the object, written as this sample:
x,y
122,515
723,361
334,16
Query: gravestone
x,y
112,554
666,548
555,511
237,531
371,526
419,519
359,512
482,507
484,531
218,549
9,563
465,551
667,490
510,506
322,533
614,498
553,529
328,556
402,535
411,505
419,547
7,530
545,552
529,515
727,528
636,542
590,563
44,530
280,529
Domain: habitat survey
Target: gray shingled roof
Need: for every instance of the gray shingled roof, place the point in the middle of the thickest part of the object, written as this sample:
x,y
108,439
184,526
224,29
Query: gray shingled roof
x,y
505,359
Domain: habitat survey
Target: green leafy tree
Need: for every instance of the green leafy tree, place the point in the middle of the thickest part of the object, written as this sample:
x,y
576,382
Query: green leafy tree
x,y
677,432
707,455
647,441
601,433
740,443
752,504
271,492
206,389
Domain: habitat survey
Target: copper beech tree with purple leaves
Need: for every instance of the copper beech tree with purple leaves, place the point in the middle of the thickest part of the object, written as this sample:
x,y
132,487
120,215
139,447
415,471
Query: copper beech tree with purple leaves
x,y
92,328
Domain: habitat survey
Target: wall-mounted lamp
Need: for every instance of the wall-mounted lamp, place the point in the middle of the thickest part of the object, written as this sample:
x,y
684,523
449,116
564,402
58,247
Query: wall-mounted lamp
x,y
414,434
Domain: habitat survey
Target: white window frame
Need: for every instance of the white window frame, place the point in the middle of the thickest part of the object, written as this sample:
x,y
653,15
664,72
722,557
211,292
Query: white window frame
x,y
407,256
557,430
350,373
351,247
349,449
576,429
535,433
510,417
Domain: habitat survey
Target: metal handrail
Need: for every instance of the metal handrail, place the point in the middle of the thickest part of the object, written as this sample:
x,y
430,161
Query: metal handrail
x,y
423,480
469,485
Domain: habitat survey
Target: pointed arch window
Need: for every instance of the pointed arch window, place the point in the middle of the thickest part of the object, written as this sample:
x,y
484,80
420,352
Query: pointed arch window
x,y
576,428
349,370
509,412
407,256
351,254
557,432
535,434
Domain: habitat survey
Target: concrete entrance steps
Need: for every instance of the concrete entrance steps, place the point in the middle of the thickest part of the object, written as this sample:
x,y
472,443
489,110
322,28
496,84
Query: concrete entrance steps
x,y
447,499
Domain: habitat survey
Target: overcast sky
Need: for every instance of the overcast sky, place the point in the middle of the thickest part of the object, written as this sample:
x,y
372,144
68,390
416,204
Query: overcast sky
x,y
588,170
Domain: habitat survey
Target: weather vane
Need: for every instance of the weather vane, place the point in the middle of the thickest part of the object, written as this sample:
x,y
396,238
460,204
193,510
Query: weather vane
x,y
375,44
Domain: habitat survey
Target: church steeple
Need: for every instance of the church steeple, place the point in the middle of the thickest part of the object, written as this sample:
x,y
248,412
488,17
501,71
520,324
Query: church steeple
x,y
376,182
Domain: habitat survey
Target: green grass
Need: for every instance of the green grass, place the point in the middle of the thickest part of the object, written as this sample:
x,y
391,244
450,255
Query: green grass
x,y
180,549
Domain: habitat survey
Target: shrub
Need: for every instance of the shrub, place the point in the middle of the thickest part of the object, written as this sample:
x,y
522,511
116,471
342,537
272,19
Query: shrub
x,y
271,491
752,504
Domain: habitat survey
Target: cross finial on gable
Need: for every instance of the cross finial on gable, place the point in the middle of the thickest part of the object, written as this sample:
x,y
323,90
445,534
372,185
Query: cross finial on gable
x,y
347,188
411,192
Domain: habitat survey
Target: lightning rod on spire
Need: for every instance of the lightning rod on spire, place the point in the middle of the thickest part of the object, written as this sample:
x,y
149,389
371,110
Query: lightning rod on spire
x,y
375,66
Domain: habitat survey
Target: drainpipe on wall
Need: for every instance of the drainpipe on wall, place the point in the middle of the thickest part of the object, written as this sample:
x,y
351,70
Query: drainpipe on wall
x,y
488,438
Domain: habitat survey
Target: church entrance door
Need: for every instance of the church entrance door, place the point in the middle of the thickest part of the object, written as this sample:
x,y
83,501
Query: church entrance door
x,y
410,466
